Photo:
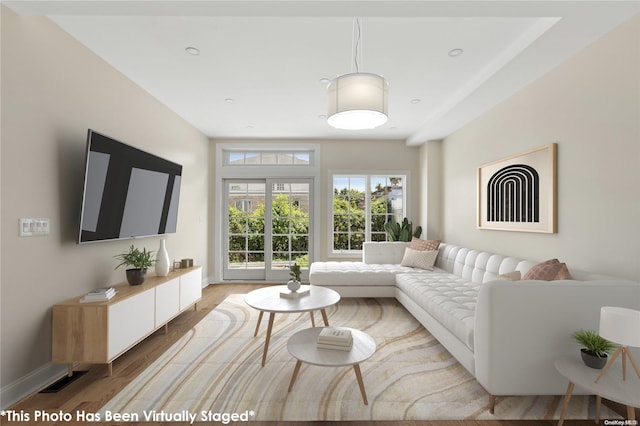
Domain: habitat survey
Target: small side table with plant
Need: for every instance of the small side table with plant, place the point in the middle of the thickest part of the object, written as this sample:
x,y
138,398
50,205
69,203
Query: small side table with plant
x,y
594,354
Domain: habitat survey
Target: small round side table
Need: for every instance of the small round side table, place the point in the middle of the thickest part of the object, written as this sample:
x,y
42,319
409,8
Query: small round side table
x,y
302,346
610,386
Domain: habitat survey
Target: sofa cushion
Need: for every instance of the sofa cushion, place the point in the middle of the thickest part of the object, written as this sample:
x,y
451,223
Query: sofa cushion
x,y
383,252
478,266
549,270
448,298
423,259
355,273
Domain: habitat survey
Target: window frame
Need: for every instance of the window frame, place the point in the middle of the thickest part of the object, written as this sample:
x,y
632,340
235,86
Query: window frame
x,y
260,154
368,175
224,170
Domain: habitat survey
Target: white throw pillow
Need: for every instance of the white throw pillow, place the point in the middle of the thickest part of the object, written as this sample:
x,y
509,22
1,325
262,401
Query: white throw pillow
x,y
423,259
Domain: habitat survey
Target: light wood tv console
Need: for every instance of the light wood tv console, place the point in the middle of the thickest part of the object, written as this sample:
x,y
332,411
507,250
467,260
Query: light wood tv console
x,y
99,332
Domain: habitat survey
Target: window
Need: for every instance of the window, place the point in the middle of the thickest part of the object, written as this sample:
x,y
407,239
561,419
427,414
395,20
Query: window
x,y
362,204
265,209
268,158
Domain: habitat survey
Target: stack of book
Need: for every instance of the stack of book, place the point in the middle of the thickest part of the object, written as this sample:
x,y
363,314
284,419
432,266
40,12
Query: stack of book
x,y
99,295
288,294
335,338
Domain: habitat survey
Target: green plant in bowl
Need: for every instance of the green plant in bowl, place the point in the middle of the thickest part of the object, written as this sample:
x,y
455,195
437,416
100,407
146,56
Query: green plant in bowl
x,y
138,260
594,347
295,272
593,343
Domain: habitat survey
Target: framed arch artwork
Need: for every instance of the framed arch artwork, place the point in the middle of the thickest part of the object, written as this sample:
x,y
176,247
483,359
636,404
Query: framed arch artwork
x,y
519,193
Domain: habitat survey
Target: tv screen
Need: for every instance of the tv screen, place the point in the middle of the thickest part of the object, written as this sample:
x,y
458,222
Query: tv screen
x,y
128,192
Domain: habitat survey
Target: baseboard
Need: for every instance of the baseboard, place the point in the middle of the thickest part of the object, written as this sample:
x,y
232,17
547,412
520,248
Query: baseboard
x,y
32,382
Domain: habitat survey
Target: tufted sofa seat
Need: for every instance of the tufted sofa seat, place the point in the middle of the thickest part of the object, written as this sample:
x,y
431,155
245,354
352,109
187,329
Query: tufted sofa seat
x,y
449,299
506,333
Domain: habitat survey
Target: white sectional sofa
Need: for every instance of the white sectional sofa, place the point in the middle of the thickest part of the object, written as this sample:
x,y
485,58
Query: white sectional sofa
x,y
506,333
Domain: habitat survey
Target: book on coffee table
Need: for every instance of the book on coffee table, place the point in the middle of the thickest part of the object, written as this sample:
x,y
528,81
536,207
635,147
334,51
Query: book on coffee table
x,y
335,347
335,338
288,294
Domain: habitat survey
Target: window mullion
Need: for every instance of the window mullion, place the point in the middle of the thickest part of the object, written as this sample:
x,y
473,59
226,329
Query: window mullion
x,y
367,204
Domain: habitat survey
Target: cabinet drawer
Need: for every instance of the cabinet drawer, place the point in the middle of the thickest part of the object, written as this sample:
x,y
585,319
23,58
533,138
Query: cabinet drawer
x,y
167,301
130,320
190,288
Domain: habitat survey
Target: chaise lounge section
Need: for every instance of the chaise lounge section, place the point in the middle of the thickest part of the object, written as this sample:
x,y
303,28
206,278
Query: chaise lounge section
x,y
506,333
375,276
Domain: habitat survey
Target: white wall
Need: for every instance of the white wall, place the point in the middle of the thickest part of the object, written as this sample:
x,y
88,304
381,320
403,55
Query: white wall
x,y
53,89
590,106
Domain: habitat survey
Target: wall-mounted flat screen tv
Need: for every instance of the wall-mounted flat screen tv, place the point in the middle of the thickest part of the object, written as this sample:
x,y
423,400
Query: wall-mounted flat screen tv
x,y
128,193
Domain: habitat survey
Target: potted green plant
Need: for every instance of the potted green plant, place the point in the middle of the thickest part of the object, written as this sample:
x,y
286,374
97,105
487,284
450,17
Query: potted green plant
x,y
594,348
401,231
294,282
139,262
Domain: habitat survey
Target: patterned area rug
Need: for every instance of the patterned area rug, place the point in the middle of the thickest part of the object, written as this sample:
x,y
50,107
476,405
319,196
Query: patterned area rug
x,y
215,370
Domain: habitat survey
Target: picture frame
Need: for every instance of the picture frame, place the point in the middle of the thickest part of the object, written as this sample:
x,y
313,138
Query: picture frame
x,y
519,193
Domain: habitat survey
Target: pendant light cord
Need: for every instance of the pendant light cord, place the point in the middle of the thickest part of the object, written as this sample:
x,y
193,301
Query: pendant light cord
x,y
357,51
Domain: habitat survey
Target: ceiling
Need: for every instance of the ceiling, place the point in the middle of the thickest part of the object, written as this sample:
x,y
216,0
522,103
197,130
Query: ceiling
x,y
262,67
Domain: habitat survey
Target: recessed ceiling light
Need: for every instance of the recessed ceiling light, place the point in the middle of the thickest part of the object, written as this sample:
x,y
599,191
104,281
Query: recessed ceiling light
x,y
455,52
192,51
415,101
322,117
229,100
324,81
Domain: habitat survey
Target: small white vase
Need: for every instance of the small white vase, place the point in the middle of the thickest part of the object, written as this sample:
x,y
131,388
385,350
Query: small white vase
x,y
162,260
293,285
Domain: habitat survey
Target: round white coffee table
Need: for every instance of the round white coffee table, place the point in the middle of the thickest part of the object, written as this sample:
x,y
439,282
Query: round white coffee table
x,y
302,346
268,299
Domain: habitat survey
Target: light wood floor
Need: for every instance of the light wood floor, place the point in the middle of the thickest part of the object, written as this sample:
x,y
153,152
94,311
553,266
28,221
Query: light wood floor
x,y
91,391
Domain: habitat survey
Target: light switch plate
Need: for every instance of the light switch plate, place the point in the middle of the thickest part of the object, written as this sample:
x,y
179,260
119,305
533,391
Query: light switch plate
x,y
30,227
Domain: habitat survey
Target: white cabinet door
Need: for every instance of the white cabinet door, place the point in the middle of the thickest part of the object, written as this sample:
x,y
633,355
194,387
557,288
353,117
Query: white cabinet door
x,y
130,320
190,288
167,301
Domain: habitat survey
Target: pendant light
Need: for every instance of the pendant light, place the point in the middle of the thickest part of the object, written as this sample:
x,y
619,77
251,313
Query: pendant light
x,y
357,100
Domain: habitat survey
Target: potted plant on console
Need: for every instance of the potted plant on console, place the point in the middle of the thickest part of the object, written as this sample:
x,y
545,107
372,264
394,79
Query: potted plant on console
x,y
139,262
594,348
